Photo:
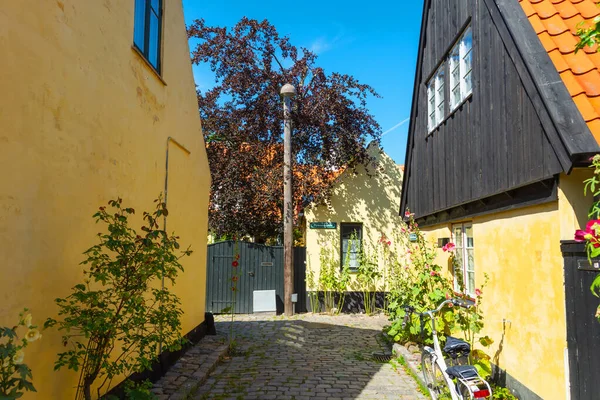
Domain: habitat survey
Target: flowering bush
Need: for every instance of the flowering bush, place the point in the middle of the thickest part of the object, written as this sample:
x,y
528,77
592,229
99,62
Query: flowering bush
x,y
591,234
121,316
14,373
420,284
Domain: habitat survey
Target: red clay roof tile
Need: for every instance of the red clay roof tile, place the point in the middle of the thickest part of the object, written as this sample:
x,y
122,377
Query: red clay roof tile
x,y
556,23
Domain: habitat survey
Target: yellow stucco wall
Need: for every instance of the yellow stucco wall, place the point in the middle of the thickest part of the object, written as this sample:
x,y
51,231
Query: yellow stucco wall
x,y
83,119
524,302
520,252
373,201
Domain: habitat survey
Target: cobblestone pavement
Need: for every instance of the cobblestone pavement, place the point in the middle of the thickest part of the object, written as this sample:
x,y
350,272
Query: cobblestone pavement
x,y
306,357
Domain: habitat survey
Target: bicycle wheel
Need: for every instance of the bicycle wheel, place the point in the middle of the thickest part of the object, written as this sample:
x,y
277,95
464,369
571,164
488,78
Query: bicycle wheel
x,y
434,378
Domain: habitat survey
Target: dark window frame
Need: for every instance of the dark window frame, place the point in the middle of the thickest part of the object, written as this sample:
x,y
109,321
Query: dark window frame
x,y
345,226
150,14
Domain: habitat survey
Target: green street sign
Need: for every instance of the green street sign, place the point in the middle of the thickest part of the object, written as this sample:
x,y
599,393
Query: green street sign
x,y
323,225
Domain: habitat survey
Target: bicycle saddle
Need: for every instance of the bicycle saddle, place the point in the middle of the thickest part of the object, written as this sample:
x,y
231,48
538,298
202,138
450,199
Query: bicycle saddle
x,y
455,347
462,371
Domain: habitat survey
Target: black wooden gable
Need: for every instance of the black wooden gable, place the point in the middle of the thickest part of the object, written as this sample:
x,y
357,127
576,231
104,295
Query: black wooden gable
x,y
507,142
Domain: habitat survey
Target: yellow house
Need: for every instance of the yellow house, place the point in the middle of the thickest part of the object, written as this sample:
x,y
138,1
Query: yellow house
x,y
505,114
363,206
95,95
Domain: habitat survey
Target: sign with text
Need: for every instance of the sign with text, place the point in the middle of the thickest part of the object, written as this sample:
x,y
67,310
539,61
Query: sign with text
x,y
323,225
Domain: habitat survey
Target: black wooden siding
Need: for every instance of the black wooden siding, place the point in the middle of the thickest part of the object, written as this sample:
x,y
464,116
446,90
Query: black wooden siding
x,y
491,144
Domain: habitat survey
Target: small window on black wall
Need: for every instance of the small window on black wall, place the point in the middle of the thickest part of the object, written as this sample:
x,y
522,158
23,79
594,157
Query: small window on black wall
x,y
351,235
147,30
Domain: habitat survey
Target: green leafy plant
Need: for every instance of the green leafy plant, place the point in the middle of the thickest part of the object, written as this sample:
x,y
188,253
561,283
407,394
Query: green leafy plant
x,y
119,319
502,393
591,234
333,280
420,284
312,291
588,35
367,276
15,375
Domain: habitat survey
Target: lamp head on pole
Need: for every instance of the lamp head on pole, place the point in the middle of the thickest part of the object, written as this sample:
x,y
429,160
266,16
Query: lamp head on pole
x,y
288,90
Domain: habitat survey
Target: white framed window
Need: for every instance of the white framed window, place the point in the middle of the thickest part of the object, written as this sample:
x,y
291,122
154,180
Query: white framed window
x,y
464,271
436,98
461,67
351,235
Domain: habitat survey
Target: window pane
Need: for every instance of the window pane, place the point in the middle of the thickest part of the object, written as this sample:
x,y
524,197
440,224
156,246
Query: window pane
x,y
456,96
139,24
468,61
154,42
440,95
454,68
469,235
467,40
470,260
471,283
468,84
457,234
351,235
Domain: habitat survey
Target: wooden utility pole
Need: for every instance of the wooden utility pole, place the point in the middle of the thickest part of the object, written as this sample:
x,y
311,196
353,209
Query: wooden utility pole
x,y
287,91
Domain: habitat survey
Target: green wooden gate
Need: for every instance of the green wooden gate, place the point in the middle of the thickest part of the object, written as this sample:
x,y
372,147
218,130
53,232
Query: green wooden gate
x,y
260,268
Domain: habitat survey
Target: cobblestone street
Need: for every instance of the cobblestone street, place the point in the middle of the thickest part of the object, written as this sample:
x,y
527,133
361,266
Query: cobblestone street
x,y
305,357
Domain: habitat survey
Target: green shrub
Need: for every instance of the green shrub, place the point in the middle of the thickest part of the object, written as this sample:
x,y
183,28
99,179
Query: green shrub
x,y
121,316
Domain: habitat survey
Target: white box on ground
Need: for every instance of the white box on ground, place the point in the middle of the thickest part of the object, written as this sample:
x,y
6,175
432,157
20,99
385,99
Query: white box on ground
x,y
264,301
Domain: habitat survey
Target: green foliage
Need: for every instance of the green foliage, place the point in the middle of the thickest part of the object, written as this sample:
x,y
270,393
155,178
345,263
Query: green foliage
x,y
139,391
121,316
588,35
367,276
419,283
501,393
15,376
333,280
313,294
591,234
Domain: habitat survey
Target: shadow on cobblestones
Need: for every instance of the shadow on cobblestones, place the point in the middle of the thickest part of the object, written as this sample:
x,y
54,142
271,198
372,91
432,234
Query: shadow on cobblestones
x,y
318,357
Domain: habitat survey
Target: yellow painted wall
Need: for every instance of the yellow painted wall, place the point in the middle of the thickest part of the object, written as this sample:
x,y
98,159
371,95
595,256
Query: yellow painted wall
x,y
520,252
83,119
373,201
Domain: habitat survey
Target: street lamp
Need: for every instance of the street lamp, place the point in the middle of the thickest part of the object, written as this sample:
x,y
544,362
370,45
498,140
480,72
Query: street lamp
x,y
287,92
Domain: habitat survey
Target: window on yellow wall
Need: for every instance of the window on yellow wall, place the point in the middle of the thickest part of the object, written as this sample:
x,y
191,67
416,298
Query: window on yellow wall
x,y
351,241
147,30
464,273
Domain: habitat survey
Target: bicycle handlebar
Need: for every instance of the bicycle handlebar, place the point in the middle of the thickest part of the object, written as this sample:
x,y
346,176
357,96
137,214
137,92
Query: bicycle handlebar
x,y
464,303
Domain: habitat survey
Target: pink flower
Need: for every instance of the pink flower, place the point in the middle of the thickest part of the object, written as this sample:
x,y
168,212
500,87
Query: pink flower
x,y
590,233
389,243
433,273
447,296
449,247
407,214
477,292
234,264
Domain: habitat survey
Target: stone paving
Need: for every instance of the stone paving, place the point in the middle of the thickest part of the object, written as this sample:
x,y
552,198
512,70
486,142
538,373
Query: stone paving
x,y
307,356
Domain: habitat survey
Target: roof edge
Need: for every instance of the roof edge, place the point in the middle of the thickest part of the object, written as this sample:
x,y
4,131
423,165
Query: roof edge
x,y
573,134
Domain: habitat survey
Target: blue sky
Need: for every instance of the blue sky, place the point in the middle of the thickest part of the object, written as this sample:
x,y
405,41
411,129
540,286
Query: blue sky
x,y
375,42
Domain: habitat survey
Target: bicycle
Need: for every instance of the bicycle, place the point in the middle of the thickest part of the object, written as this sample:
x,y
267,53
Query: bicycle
x,y
457,382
